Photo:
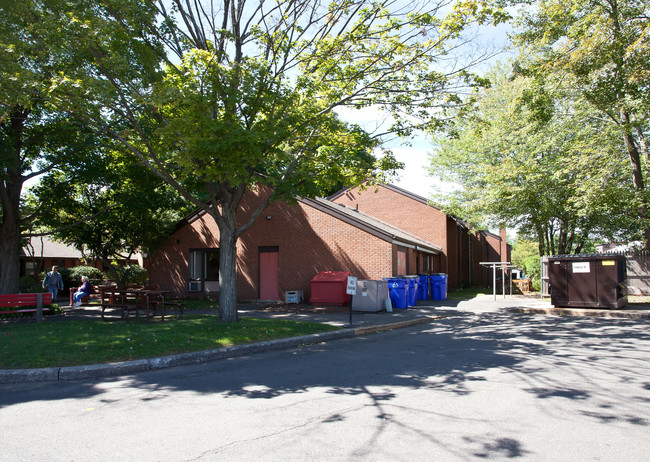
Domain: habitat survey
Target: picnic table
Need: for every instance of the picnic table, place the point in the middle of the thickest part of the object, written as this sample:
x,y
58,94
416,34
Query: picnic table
x,y
134,300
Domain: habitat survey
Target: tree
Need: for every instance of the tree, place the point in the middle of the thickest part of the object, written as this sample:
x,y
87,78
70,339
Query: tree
x,y
37,140
220,97
118,208
539,159
33,140
605,48
525,255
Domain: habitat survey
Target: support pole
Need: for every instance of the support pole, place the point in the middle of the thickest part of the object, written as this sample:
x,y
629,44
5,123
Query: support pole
x,y
503,265
39,307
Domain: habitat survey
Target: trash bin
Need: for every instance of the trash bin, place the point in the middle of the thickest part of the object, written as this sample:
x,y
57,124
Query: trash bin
x,y
423,287
588,281
413,290
438,286
329,288
398,291
370,296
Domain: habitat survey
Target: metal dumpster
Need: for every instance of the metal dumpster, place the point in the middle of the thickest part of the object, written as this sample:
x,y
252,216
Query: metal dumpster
x,y
370,296
329,288
587,281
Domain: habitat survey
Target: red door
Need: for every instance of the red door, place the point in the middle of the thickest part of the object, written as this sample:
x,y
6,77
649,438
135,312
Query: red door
x,y
269,271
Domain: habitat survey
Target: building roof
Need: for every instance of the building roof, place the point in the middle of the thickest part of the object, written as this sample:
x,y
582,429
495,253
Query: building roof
x,y
44,247
408,194
372,225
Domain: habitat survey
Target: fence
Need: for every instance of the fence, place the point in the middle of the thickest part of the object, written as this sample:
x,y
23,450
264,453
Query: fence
x,y
638,272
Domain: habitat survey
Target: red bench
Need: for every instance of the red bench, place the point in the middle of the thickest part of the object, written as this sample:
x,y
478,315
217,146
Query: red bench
x,y
22,301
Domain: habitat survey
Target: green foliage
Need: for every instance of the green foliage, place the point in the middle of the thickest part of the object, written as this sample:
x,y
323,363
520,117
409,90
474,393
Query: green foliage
x,y
535,156
54,308
118,207
602,49
30,284
95,275
220,100
130,274
525,255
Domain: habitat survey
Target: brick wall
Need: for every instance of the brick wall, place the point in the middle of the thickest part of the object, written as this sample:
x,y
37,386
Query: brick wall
x,y
462,250
308,240
410,215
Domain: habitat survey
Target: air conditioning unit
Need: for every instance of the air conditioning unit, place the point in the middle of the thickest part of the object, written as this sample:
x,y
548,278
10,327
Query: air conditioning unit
x,y
195,286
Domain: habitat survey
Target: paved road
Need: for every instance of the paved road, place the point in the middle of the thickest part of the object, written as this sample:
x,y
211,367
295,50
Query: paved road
x,y
472,386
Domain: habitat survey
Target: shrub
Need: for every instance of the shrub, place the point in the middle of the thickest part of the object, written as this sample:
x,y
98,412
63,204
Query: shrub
x,y
130,274
67,278
54,309
95,275
30,284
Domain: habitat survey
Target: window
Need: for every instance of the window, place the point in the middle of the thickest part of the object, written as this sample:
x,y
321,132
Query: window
x,y
427,263
204,264
31,268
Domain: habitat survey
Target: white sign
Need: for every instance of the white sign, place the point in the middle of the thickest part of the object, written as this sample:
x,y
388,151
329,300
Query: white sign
x,y
352,285
581,267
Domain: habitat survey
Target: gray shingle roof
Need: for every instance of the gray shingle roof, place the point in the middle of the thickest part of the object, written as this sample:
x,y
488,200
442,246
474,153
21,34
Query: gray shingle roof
x,y
47,248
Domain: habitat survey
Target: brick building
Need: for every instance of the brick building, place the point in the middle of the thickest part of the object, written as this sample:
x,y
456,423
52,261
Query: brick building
x,y
462,249
286,247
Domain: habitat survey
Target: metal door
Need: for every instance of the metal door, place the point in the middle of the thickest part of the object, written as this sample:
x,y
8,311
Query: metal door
x,y
269,274
401,263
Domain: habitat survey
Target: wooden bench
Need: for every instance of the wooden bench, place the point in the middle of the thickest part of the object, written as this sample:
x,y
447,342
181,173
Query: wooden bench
x,y
84,301
22,301
156,305
119,306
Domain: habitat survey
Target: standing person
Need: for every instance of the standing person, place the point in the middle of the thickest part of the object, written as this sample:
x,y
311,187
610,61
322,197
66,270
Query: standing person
x,y
84,290
53,282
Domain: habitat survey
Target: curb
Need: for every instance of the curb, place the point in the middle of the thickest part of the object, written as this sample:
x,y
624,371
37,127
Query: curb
x,y
96,371
592,313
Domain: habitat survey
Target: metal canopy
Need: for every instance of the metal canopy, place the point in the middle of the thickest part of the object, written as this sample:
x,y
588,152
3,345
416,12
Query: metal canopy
x,y
503,265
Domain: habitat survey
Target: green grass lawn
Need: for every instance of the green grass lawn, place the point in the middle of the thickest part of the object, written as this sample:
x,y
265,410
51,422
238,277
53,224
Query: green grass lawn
x,y
464,294
70,343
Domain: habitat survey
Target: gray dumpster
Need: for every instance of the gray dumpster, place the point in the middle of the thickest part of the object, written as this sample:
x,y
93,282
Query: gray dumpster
x,y
370,296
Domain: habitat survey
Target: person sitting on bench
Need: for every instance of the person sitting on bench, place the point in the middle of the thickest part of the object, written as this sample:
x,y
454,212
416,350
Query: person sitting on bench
x,y
84,290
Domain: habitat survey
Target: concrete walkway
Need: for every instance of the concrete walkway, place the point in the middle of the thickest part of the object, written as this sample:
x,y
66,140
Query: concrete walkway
x,y
363,323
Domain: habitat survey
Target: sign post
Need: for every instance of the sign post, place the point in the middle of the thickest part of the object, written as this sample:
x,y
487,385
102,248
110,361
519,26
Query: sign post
x,y
351,289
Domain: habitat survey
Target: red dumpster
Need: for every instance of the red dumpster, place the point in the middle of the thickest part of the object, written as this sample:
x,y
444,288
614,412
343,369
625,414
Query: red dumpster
x,y
329,287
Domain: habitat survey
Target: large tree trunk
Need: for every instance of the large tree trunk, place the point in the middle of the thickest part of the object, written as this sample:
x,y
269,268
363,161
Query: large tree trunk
x,y
9,258
226,218
11,184
228,272
637,174
228,277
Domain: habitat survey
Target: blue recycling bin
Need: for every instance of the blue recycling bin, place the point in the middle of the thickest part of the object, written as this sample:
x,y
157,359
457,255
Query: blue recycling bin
x,y
438,286
423,287
413,290
398,291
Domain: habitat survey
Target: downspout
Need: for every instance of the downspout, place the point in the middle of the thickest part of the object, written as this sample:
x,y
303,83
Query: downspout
x,y
469,259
